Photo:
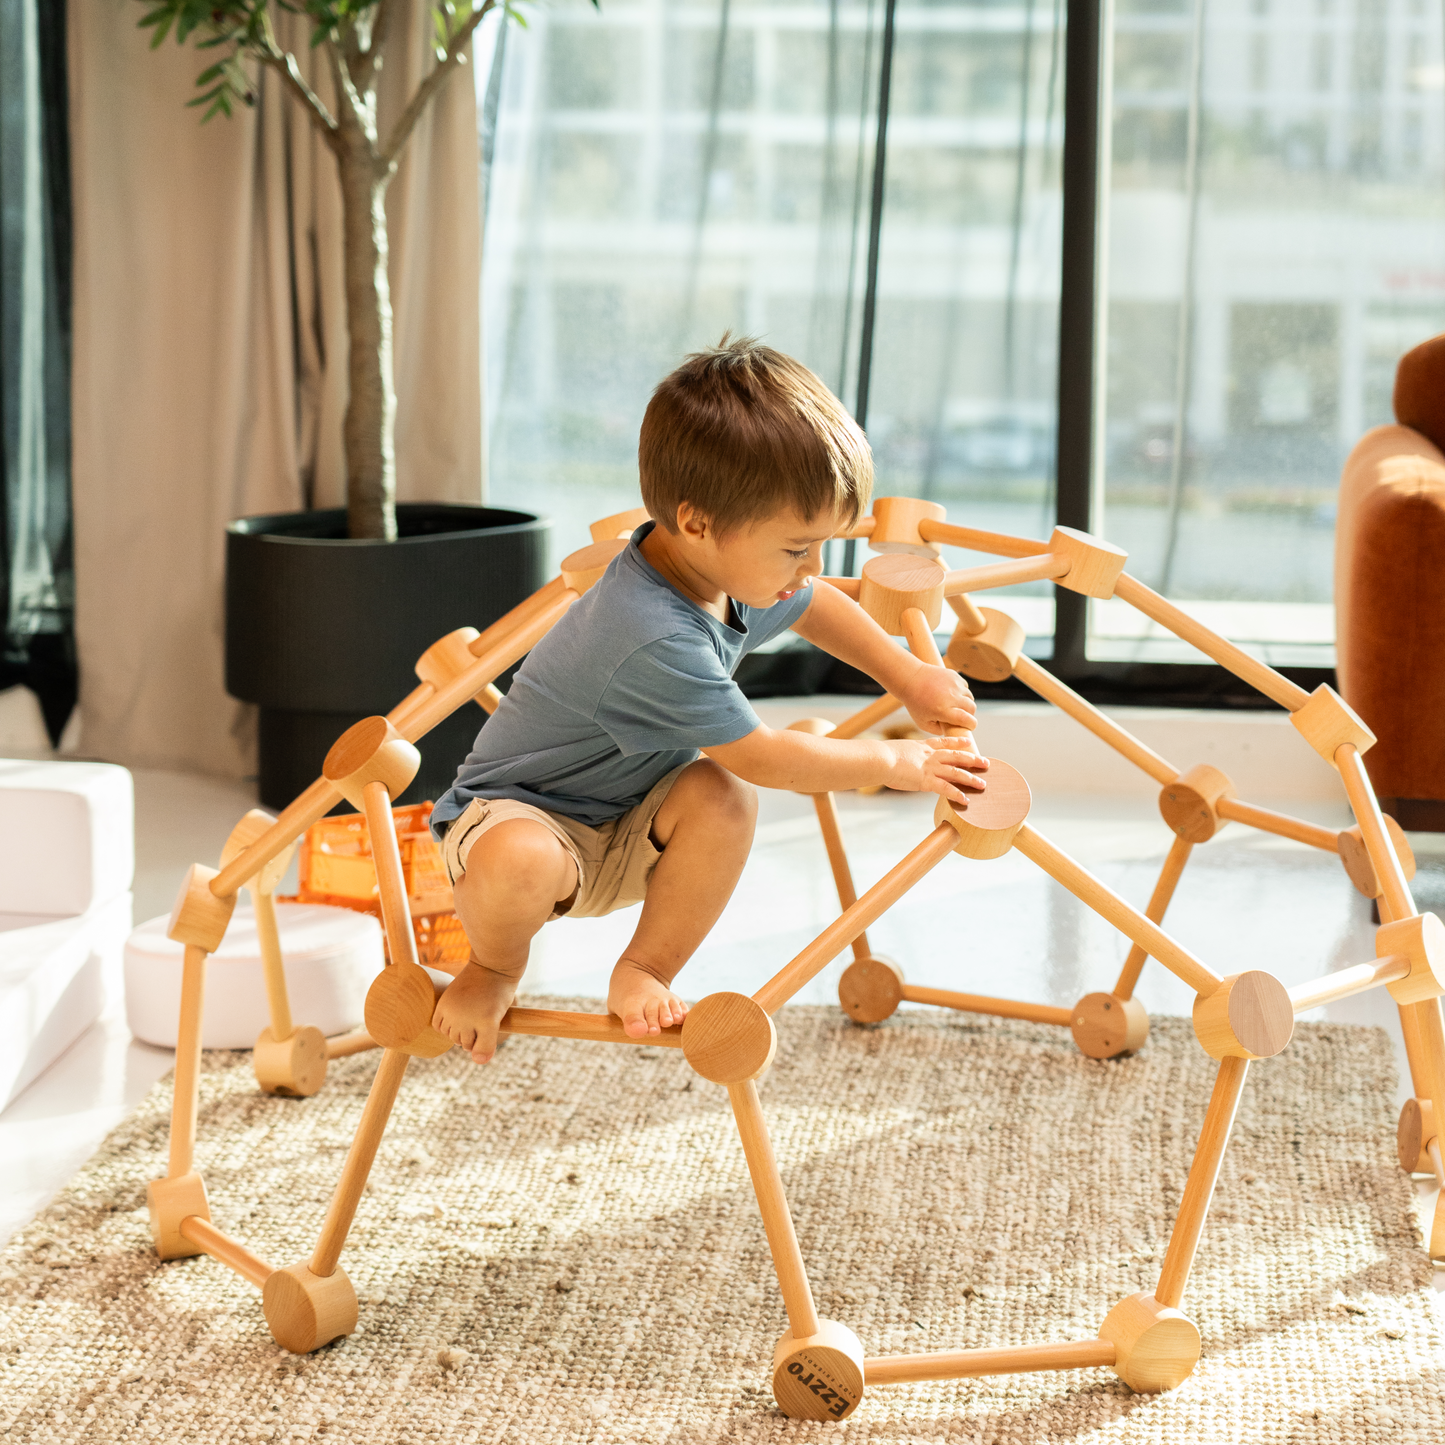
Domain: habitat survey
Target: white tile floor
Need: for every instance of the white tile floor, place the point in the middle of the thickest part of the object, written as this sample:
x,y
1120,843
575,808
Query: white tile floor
x,y
1247,900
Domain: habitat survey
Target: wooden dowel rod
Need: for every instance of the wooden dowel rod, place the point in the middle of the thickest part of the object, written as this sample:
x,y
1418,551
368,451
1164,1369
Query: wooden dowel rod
x,y
1127,919
1411,1023
827,808
773,1205
1395,888
963,1364
358,1161
1199,1189
1102,726
490,699
924,646
1006,574
867,717
863,527
849,586
519,616
293,820
996,544
187,1085
419,694
599,1028
1159,902
1437,1158
1347,981
343,1045
1003,1008
1267,821
488,666
390,881
967,612
1256,673
1427,1063
204,1235
839,934
273,969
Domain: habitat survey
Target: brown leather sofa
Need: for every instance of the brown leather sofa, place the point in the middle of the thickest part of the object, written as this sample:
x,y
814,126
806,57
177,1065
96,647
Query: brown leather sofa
x,y
1390,592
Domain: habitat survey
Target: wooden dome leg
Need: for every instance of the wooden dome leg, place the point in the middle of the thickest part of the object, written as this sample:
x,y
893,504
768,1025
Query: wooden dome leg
x,y
1159,902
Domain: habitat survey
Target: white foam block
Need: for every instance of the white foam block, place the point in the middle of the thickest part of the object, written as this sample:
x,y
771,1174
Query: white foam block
x,y
67,836
331,955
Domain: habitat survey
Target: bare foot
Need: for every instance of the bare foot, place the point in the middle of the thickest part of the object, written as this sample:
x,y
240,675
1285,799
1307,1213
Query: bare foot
x,y
642,1001
471,1008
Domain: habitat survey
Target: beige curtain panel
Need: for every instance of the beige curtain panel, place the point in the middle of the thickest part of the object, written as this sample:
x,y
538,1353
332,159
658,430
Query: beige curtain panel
x,y
210,355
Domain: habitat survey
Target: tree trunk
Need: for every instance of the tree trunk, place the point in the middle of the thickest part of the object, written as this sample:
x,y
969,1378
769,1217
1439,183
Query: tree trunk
x,y
370,422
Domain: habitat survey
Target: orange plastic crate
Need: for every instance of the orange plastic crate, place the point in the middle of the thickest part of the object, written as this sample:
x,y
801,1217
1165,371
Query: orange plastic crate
x,y
336,867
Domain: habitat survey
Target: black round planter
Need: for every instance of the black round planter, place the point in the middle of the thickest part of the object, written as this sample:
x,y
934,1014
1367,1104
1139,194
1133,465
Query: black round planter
x,y
322,631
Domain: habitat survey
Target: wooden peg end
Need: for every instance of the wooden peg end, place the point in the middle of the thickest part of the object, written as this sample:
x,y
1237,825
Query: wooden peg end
x,y
989,821
199,917
895,526
1360,867
1327,720
447,657
253,826
728,1038
305,1310
620,526
1105,1026
871,989
293,1067
1414,1131
371,751
587,564
1094,565
1188,804
1249,1016
1156,1348
893,584
990,655
170,1201
1421,939
399,1008
819,1377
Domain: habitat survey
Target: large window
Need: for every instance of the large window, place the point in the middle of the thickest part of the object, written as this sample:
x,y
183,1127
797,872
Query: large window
x,y
1276,224
1266,189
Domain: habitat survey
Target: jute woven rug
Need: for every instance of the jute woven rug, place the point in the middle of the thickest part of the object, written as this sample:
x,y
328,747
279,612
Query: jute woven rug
x,y
564,1248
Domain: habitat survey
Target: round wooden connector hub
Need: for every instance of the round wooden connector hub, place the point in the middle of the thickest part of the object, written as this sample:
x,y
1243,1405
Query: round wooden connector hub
x,y
1414,1131
170,1202
294,1067
199,918
1357,862
305,1310
893,584
728,1038
586,565
1105,1027
246,832
990,655
1249,1016
1157,1347
447,657
871,989
371,751
820,1377
895,525
1187,804
987,823
399,1008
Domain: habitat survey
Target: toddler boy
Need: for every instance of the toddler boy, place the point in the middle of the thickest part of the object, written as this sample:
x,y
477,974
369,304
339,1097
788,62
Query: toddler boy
x,y
584,791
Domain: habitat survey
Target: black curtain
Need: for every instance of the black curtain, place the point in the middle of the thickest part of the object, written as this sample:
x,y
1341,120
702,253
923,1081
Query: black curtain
x,y
37,579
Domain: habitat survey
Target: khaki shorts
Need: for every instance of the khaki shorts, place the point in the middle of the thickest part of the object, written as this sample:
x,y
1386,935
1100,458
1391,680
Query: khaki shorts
x,y
614,861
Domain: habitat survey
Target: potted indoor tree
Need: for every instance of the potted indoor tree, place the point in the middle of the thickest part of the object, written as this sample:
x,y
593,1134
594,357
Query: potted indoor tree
x,y
326,611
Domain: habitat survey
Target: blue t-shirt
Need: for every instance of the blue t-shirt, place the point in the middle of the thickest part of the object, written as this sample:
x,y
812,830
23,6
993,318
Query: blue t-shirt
x,y
626,687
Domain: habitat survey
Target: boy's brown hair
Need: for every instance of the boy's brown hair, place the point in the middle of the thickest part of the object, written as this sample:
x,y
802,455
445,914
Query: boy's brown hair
x,y
742,431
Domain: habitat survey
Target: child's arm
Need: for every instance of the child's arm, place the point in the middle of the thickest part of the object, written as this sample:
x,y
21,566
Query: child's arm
x,y
803,763
936,697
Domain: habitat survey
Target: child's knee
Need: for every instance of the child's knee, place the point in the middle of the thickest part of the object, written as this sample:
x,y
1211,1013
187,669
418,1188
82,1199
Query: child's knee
x,y
519,866
723,797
